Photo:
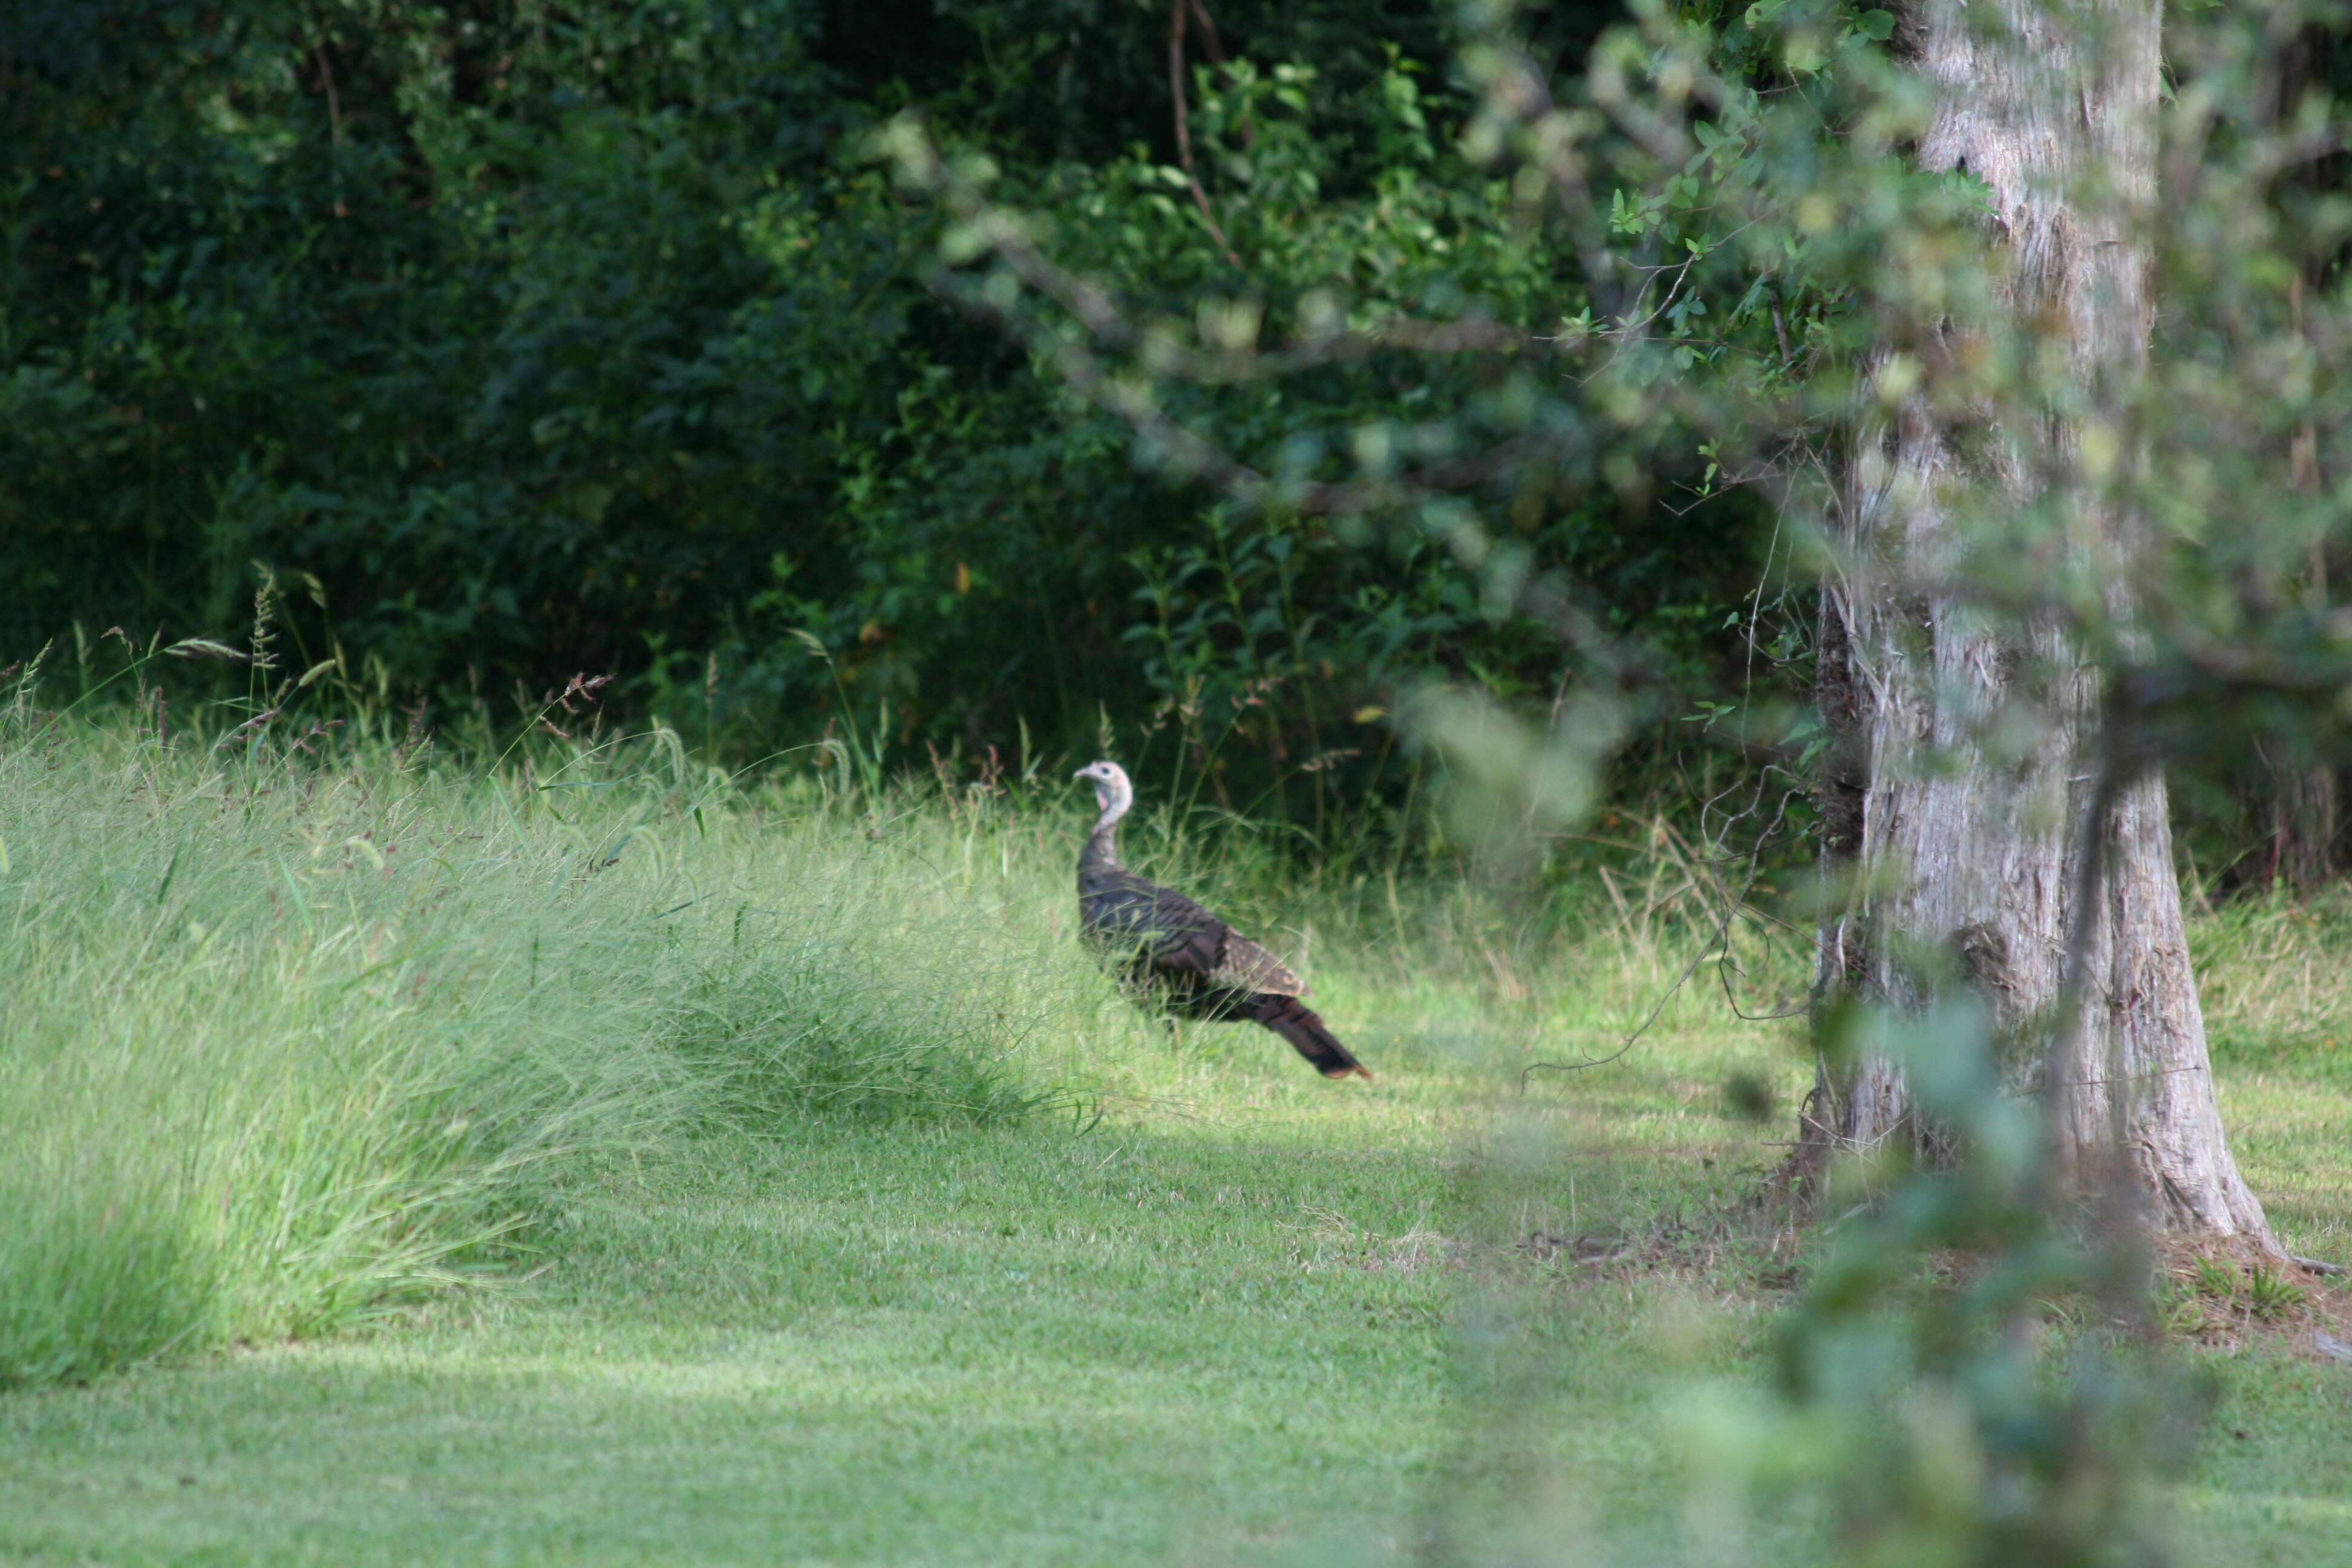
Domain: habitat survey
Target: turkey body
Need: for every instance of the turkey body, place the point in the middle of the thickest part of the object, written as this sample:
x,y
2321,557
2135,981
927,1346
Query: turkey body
x,y
1194,963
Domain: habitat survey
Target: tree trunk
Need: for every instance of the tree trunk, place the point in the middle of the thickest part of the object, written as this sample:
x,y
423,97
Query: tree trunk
x,y
2305,823
2304,819
1963,836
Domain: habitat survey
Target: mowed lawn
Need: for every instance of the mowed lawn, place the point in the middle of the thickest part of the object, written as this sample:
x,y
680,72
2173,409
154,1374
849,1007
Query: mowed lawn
x,y
1247,1315
851,1347
1192,1337
1219,1312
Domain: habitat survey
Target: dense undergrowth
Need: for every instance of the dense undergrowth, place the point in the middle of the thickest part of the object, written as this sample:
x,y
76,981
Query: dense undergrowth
x,y
519,339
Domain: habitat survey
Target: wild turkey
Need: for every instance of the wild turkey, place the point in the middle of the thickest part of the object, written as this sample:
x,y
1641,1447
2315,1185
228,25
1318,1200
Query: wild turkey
x,y
1197,964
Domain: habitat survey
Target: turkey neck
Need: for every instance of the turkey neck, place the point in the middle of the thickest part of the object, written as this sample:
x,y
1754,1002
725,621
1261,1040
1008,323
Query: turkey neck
x,y
1101,853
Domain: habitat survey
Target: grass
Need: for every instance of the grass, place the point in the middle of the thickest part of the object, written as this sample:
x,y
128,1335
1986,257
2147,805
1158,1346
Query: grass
x,y
289,1045
815,1200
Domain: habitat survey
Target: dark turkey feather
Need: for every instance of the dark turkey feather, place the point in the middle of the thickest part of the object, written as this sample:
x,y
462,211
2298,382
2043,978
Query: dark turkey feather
x,y
1196,962
1294,1022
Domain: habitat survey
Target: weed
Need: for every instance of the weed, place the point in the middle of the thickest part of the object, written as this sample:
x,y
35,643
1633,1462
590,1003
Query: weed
x,y
2272,1297
2181,1314
2215,1278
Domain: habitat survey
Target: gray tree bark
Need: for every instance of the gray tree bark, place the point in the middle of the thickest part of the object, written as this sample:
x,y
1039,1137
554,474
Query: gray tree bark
x,y
1964,760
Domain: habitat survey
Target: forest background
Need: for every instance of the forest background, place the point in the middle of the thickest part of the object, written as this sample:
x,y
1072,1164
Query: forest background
x,y
515,339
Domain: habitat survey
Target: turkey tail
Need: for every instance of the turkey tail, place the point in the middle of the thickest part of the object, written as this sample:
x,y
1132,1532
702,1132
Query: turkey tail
x,y
1294,1022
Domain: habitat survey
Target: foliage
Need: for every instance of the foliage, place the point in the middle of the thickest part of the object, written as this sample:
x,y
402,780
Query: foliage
x,y
545,338
1964,1357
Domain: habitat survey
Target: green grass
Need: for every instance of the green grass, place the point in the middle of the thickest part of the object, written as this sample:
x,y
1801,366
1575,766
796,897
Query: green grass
x,y
287,1045
883,1231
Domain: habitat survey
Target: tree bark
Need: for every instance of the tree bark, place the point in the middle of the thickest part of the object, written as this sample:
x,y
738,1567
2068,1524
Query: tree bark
x,y
2301,804
1960,827
2306,822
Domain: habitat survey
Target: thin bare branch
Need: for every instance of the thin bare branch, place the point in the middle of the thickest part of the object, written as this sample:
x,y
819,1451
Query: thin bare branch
x,y
1177,12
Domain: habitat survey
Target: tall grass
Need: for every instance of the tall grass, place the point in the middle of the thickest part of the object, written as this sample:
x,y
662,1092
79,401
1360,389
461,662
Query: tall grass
x,y
287,1039
291,1034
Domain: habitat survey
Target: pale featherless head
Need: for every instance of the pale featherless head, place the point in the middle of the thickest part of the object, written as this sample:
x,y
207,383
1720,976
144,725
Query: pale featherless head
x,y
1112,792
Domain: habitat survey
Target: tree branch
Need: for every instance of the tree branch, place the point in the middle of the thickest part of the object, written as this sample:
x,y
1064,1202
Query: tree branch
x,y
1176,13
